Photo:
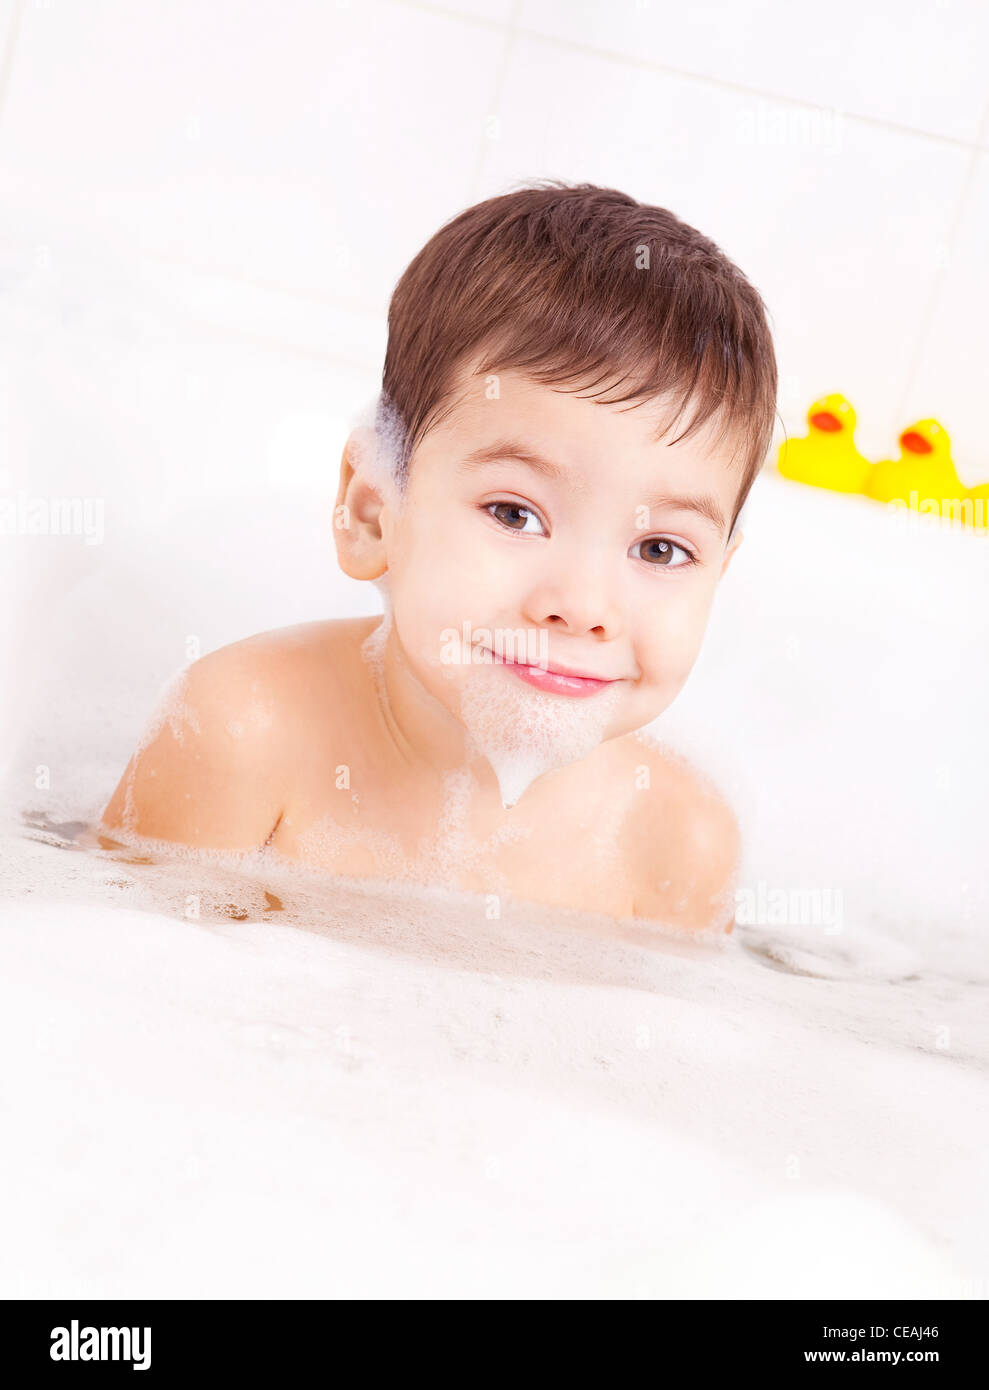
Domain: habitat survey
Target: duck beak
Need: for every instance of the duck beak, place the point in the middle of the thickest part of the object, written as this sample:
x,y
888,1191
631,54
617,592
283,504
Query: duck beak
x,y
915,443
824,420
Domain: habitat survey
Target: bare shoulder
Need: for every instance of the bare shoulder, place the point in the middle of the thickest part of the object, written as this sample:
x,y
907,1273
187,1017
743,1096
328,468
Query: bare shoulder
x,y
279,656
209,768
684,842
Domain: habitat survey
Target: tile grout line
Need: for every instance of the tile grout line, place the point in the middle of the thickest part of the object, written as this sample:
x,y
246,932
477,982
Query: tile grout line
x,y
685,74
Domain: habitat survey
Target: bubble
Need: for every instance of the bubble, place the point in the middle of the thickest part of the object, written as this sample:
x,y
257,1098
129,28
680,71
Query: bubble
x,y
171,708
329,843
520,731
524,733
376,447
373,651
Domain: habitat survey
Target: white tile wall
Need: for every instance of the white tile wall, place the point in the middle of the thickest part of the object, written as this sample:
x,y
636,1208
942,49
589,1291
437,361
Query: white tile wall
x,y
911,62
302,145
256,176
805,209
951,375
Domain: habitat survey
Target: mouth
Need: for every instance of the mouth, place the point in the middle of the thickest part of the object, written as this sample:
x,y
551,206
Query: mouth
x,y
558,680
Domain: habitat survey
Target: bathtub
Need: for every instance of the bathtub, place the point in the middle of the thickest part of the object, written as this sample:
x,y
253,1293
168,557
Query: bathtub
x,y
230,1077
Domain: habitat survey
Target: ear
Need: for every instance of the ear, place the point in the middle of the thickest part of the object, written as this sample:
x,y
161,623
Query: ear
x,y
735,542
357,516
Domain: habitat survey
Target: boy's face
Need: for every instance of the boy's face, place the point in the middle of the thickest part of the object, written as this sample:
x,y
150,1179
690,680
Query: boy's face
x,y
607,557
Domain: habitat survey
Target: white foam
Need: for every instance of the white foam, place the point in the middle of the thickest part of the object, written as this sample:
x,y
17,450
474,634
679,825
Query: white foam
x,y
521,732
407,1066
373,651
524,732
172,709
376,444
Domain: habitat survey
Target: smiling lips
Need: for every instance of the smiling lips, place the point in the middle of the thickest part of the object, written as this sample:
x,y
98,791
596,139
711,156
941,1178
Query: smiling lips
x,y
554,679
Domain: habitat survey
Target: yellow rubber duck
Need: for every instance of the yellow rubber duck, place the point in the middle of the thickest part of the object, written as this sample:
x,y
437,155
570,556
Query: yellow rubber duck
x,y
924,469
826,456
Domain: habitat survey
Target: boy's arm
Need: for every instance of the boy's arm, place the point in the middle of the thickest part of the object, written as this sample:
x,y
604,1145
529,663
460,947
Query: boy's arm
x,y
205,774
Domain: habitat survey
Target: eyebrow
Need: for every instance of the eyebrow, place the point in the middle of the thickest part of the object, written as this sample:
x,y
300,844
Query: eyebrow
x,y
509,449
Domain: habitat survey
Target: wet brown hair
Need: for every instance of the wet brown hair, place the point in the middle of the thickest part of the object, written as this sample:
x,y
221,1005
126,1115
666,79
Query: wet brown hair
x,y
566,282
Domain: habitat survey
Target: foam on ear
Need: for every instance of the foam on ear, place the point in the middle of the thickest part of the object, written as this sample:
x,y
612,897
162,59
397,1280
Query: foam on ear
x,y
376,444
524,732
739,521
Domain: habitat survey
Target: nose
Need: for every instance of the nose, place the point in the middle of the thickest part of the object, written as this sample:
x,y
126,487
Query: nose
x,y
577,594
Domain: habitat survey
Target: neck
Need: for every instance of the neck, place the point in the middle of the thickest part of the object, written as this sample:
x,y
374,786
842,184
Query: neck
x,y
424,738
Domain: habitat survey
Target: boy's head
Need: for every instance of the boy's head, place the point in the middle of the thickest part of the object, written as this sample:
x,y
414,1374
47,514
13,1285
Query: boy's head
x,y
579,391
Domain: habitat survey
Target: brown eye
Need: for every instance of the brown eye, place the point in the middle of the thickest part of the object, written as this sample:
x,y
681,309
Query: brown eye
x,y
662,553
512,515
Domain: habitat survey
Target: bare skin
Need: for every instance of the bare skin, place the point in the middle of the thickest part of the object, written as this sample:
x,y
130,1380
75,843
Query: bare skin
x,y
265,769
284,742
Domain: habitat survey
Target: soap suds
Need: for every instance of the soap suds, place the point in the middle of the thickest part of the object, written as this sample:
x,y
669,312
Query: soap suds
x,y
377,442
524,732
171,708
437,1062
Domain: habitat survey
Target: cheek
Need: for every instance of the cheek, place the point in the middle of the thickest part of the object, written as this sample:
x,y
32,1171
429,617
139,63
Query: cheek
x,y
450,572
436,585
670,637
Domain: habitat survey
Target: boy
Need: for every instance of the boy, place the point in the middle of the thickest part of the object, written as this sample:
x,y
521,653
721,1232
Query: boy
x,y
578,393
